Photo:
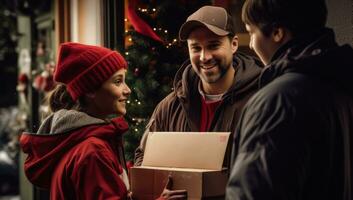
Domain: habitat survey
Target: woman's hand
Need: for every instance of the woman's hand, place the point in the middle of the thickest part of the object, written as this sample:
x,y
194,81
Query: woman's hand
x,y
168,193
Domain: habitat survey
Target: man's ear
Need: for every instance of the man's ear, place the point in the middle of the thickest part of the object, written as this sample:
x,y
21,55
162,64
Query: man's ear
x,y
281,35
278,34
235,44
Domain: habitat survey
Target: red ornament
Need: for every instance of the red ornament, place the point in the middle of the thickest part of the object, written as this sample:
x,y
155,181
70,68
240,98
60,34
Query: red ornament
x,y
44,82
23,78
22,82
137,71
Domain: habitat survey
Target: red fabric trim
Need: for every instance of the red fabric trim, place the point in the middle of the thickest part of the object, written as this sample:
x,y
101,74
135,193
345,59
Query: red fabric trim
x,y
139,25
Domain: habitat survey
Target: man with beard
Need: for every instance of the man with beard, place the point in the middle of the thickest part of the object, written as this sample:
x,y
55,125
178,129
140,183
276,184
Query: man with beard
x,y
211,88
294,139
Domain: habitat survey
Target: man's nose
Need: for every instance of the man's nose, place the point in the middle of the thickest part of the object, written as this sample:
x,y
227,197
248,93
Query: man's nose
x,y
205,55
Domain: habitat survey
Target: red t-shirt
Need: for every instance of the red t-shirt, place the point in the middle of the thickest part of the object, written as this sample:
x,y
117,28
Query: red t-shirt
x,y
207,112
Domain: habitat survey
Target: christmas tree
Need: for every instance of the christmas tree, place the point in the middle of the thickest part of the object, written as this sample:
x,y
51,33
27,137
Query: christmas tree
x,y
154,54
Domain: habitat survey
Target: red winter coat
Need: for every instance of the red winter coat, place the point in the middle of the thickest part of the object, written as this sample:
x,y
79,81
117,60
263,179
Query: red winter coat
x,y
76,156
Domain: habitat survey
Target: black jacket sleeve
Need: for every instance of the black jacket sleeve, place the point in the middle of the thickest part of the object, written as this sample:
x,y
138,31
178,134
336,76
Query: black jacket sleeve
x,y
271,157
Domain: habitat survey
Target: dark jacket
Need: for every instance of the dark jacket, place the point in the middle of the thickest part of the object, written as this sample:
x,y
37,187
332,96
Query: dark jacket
x,y
77,156
181,109
294,134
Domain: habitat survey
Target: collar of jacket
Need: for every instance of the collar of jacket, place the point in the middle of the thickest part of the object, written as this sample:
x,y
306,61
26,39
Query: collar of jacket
x,y
247,70
317,54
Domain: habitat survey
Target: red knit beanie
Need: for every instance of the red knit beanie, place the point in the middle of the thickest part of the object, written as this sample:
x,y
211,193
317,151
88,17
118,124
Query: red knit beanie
x,y
84,68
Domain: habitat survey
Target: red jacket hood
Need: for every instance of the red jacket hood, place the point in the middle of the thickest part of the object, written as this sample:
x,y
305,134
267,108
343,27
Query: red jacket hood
x,y
45,150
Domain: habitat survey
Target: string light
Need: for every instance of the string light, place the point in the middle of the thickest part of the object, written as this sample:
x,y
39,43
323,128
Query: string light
x,y
139,103
154,10
154,29
165,31
125,20
127,53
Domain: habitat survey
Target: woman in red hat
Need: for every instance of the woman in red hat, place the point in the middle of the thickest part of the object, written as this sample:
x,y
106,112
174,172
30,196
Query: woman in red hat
x,y
77,153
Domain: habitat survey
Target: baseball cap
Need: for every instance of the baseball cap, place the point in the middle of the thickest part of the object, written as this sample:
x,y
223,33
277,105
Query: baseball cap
x,y
216,19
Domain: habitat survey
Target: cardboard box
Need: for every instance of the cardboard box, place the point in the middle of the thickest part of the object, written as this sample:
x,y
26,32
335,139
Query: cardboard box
x,y
194,160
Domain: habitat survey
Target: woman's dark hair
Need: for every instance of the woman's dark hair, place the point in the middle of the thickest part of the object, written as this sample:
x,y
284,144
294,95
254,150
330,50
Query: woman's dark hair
x,y
59,98
300,17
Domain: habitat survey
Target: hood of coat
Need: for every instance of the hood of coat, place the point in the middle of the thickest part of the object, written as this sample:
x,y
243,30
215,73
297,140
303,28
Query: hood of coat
x,y
317,55
59,133
64,121
247,70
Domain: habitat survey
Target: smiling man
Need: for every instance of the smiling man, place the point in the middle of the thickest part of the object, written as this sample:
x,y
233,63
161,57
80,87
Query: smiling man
x,y
211,88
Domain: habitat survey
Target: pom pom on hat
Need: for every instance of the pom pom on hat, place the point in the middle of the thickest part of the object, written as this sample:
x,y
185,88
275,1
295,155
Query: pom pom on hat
x,y
84,68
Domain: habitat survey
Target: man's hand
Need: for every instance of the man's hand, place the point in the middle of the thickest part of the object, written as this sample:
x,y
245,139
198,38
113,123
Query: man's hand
x,y
168,193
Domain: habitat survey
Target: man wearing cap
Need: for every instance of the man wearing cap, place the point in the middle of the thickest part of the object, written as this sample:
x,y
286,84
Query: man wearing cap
x,y
211,88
